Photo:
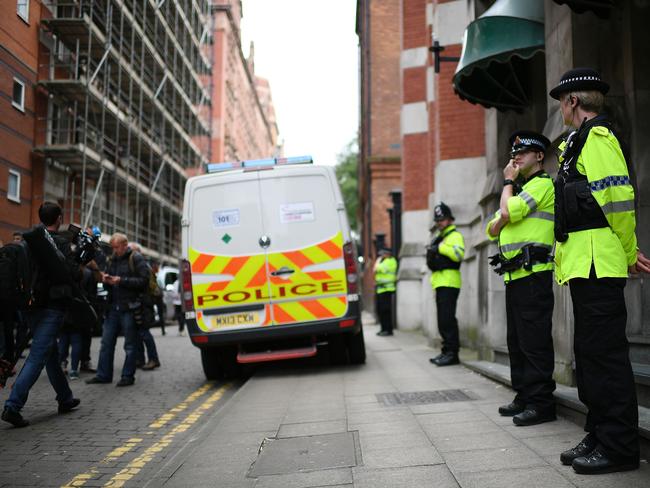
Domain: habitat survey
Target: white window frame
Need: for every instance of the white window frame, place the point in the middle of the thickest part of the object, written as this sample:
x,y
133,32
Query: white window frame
x,y
16,197
19,106
24,3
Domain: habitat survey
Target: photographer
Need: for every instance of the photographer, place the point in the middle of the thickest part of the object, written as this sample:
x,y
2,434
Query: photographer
x,y
126,277
52,294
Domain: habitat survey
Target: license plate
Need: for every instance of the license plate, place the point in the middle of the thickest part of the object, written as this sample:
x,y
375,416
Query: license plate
x,y
240,319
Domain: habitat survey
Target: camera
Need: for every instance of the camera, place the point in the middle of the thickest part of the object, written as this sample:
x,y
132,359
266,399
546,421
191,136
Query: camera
x,y
85,245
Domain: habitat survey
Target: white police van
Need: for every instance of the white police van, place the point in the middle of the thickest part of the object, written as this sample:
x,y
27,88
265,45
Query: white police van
x,y
268,269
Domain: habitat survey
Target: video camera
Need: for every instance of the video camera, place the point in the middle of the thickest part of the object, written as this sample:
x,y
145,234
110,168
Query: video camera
x,y
85,245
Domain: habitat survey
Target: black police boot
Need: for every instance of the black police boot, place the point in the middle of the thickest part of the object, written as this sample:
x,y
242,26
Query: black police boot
x,y
511,409
531,416
597,462
435,359
69,406
448,359
583,449
383,333
14,418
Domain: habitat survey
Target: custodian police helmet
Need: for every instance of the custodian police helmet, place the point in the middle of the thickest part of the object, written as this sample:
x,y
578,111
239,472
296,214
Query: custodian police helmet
x,y
442,212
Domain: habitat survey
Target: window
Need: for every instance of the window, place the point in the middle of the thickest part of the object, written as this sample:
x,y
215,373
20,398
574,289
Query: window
x,y
13,186
19,95
22,9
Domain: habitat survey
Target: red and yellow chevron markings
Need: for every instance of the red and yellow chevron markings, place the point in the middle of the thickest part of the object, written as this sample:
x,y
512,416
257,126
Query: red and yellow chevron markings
x,y
300,296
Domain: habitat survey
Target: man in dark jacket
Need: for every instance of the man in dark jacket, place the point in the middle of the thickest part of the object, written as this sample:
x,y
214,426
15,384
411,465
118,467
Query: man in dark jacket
x,y
52,293
126,276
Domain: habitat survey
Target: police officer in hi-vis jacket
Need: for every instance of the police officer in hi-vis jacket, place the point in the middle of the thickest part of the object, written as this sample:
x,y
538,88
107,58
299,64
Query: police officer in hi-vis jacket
x,y
444,255
596,248
385,280
523,227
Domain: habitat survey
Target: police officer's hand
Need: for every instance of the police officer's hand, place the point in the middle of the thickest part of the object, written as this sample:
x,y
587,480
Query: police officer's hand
x,y
642,264
511,171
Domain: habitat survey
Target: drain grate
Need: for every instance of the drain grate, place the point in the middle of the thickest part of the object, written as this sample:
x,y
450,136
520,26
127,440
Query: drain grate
x,y
424,397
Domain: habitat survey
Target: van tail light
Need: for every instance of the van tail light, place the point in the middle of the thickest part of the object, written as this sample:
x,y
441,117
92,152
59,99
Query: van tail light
x,y
187,299
350,267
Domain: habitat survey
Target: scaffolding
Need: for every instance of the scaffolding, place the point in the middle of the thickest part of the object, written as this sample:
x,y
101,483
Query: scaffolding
x,y
127,113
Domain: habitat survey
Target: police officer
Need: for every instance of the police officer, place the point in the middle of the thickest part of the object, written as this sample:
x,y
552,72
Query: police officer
x,y
444,255
385,279
597,246
524,228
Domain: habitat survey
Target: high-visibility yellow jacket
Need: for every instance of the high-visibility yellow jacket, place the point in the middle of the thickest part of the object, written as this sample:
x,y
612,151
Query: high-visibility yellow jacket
x,y
452,246
385,274
611,249
531,220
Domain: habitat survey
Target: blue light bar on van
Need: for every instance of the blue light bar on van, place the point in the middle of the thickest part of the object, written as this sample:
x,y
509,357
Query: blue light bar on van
x,y
257,163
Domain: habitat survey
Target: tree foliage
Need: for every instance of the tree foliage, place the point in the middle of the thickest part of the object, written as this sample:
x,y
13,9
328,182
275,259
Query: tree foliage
x,y
346,174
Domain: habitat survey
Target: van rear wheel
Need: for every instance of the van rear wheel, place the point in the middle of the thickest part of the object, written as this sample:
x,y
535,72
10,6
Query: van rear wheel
x,y
356,347
211,364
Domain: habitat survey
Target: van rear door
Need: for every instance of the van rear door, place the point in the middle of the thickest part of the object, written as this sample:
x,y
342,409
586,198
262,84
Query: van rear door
x,y
307,275
229,264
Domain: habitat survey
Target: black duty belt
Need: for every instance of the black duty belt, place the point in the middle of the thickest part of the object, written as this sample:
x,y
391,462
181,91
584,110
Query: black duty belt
x,y
529,256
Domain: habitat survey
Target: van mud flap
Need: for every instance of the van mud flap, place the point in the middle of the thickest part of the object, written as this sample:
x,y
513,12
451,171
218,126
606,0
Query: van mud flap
x,y
245,357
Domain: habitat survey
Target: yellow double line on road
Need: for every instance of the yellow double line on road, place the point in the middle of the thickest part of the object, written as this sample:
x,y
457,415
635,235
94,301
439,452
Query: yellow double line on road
x,y
135,466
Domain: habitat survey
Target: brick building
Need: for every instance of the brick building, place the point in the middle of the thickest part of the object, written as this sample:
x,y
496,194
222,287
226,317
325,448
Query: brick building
x,y
21,184
243,117
379,142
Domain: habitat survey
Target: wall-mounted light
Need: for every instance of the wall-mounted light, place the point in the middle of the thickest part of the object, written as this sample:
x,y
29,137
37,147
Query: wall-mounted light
x,y
436,49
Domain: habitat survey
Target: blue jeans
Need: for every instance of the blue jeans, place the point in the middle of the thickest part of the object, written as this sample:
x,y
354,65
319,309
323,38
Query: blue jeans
x,y
43,354
116,319
145,339
67,340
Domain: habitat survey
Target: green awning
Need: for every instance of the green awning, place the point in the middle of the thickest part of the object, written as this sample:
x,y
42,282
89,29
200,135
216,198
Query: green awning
x,y
493,67
602,8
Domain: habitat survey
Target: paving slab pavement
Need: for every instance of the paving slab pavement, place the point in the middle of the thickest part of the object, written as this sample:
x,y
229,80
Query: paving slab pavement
x,y
447,444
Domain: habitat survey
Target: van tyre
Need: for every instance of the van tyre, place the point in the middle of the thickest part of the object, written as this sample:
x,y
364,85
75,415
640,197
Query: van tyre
x,y
338,350
230,368
356,347
211,364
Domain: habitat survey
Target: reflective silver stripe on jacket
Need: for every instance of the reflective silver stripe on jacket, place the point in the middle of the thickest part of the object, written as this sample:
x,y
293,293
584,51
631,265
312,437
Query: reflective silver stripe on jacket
x,y
530,201
614,207
541,215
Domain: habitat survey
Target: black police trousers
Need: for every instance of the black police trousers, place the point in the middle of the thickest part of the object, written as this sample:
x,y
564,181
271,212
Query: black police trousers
x,y
529,309
446,299
384,305
603,369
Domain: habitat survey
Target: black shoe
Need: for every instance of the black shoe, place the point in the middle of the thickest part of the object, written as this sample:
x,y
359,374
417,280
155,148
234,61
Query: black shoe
x,y
435,359
96,380
447,359
14,418
511,409
530,416
384,333
69,406
125,382
87,367
585,447
597,462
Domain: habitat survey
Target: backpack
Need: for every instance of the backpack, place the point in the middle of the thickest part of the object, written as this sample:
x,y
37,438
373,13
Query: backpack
x,y
17,274
152,289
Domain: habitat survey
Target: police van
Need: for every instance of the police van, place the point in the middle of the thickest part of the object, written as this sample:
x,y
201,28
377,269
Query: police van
x,y
269,269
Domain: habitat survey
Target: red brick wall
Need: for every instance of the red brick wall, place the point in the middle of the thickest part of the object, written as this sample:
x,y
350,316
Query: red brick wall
x,y
19,47
414,26
416,152
384,78
415,84
460,124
